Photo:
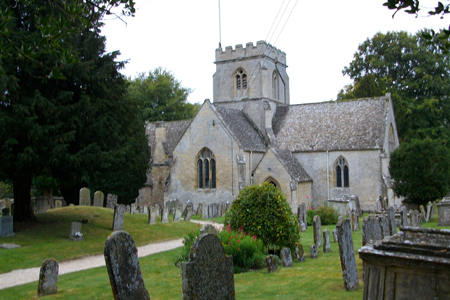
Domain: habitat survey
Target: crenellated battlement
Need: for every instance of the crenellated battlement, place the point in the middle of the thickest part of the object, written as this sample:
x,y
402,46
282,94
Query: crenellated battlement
x,y
261,49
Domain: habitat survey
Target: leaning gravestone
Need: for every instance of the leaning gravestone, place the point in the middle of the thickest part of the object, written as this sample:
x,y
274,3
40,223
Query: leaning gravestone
x,y
271,263
317,231
286,257
152,215
391,218
177,215
299,252
111,201
123,267
48,278
209,274
119,214
189,213
165,215
313,250
326,241
85,197
99,197
347,254
189,205
75,232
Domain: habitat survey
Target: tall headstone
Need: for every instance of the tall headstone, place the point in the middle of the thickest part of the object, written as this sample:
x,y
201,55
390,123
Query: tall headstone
x,y
433,210
286,257
123,267
299,252
209,274
99,197
75,232
422,212
335,237
165,215
404,217
347,255
200,209
111,201
317,228
384,225
177,215
48,278
429,206
313,250
358,205
205,210
271,263
414,214
355,220
85,197
326,241
391,218
119,214
152,215
301,216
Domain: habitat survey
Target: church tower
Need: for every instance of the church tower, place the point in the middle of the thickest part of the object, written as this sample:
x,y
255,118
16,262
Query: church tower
x,y
252,79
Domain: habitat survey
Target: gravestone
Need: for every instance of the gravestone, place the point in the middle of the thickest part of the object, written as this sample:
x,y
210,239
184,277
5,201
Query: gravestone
x,y
443,208
204,214
119,214
355,221
404,217
75,232
209,274
99,197
177,215
429,206
391,218
335,237
133,208
384,204
384,225
317,228
347,255
357,204
422,212
111,201
299,252
165,215
200,209
286,257
208,228
6,224
326,241
85,197
190,206
271,263
127,209
152,215
223,207
189,214
48,278
314,251
379,207
371,229
123,267
414,216
301,216
433,210
302,226
58,204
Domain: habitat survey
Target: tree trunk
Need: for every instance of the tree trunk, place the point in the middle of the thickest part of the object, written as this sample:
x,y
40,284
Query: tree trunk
x,y
48,196
23,211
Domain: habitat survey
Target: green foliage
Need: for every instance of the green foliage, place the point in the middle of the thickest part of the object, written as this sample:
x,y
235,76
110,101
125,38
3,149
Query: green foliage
x,y
161,97
328,215
6,190
420,170
188,241
262,210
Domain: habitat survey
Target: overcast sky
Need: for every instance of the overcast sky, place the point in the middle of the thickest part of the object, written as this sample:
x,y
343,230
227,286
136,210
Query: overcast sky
x,y
319,38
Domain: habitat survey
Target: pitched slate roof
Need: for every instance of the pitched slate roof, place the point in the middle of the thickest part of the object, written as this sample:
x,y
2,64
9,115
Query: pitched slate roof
x,y
292,165
174,131
351,125
243,129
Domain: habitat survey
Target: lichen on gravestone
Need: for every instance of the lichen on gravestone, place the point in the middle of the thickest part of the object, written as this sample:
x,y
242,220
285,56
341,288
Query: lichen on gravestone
x,y
271,263
313,250
286,257
347,255
317,231
326,241
48,278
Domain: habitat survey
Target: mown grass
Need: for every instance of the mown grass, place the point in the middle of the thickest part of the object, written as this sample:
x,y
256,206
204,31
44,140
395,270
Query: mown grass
x,y
312,279
49,237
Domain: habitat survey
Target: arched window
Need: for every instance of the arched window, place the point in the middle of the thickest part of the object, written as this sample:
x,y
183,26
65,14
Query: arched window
x,y
206,169
342,177
241,80
272,181
275,86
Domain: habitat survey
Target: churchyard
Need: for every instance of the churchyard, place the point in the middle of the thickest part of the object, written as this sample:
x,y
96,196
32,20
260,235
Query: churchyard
x,y
311,279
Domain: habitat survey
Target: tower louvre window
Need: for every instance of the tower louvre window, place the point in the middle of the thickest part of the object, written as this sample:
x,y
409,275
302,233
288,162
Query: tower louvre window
x,y
241,80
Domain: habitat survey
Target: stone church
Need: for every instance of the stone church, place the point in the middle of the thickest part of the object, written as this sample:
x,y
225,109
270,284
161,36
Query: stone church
x,y
250,133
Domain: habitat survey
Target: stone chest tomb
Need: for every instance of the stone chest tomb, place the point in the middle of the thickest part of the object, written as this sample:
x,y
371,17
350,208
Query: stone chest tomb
x,y
412,264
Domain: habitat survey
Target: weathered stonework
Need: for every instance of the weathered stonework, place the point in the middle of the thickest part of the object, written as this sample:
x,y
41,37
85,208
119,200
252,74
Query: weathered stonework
x,y
347,254
48,278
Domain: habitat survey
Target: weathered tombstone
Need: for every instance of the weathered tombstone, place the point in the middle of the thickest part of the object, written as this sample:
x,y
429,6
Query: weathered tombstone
x,y
301,217
6,224
414,218
429,206
302,226
152,215
443,208
133,208
177,215
384,225
299,252
200,209
165,215
85,197
422,212
209,274
371,229
111,201
58,204
208,228
205,210
145,210
391,218
326,241
158,209
190,206
313,250
404,217
286,257
48,278
271,263
347,255
355,221
189,214
317,227
335,237
99,197
119,214
123,267
223,207
358,205
433,210
384,203
127,209
379,207
75,232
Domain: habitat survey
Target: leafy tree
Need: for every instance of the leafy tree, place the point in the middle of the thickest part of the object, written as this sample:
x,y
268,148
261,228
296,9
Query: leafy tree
x,y
161,97
421,169
262,210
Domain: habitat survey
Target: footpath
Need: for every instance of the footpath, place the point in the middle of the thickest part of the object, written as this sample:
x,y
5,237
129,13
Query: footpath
x,y
23,276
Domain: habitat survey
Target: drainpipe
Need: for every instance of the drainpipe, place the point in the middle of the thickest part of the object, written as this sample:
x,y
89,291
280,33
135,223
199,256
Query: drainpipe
x,y
328,177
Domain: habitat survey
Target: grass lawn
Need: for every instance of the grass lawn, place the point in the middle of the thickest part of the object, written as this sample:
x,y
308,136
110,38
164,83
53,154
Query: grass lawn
x,y
312,279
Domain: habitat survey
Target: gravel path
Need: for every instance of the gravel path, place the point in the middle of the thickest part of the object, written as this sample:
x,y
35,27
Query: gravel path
x,y
22,276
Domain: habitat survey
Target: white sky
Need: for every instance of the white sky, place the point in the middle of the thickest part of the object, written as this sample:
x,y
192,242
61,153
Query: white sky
x,y
319,38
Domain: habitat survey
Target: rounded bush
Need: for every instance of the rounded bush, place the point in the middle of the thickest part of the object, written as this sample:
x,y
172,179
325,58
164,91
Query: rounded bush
x,y
328,215
262,210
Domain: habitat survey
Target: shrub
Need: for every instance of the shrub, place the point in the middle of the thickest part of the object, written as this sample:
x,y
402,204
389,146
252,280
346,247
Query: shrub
x,y
247,250
328,215
187,244
262,210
